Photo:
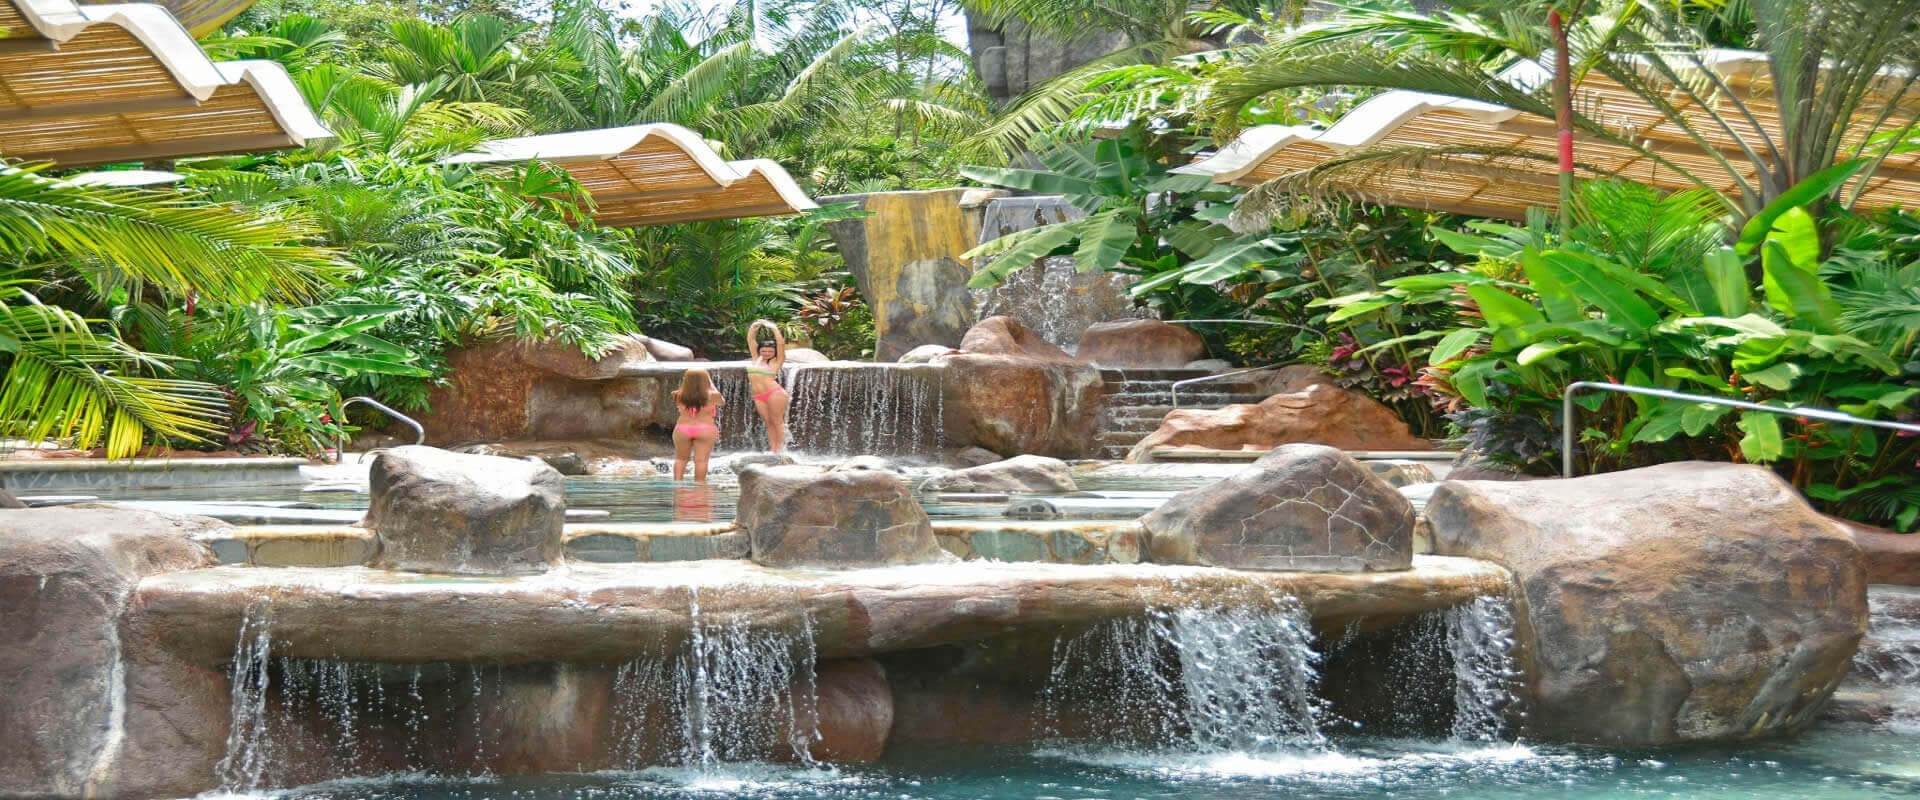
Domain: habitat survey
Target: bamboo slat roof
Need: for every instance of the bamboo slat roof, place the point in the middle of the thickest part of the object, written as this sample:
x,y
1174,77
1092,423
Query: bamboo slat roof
x,y
201,17
97,84
655,174
1516,168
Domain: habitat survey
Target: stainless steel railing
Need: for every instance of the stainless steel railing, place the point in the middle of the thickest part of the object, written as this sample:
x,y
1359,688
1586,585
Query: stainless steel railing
x,y
340,442
1204,378
1567,411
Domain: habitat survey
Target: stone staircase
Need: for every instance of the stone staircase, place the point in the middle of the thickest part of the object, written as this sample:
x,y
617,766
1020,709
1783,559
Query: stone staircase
x,y
1138,399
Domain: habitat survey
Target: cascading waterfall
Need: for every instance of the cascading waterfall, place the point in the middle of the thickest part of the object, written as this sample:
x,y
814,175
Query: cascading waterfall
x,y
1215,678
249,745
1888,661
1480,639
732,693
894,409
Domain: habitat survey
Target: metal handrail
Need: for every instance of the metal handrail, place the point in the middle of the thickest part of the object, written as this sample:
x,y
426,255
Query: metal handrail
x,y
1204,378
340,442
1567,411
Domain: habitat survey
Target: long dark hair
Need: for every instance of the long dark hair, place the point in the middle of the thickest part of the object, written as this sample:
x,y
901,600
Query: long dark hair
x,y
694,385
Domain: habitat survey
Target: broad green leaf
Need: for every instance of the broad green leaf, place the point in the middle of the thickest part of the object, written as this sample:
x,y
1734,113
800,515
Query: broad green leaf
x,y
1701,417
1848,346
1471,245
1645,284
1594,286
1779,377
1664,423
1555,295
1887,396
1016,251
349,364
1799,237
1796,292
1400,340
1543,350
1691,374
315,341
1352,310
1196,239
1752,324
1434,281
1453,344
1039,181
1471,380
1728,276
1597,331
1502,309
1103,241
1229,260
1809,189
1762,442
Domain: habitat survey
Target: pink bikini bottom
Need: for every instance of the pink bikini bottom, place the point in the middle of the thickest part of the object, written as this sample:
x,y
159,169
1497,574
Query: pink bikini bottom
x,y
697,431
762,397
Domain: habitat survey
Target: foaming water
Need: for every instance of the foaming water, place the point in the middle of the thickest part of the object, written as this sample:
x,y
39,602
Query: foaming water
x,y
1480,639
1206,679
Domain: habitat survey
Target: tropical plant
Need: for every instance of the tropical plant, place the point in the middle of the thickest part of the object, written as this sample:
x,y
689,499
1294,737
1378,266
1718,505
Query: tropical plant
x,y
1640,292
66,377
1838,104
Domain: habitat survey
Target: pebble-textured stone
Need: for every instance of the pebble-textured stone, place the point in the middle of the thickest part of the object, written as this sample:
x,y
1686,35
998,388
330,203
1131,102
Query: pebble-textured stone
x,y
1301,507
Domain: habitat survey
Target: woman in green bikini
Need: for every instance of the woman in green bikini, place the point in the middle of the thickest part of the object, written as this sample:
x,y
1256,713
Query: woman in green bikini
x,y
763,379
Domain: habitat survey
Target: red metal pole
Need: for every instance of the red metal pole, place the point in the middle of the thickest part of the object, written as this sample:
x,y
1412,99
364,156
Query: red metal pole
x,y
1563,114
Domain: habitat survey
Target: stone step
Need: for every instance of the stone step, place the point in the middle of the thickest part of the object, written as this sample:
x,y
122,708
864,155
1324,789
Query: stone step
x,y
1186,399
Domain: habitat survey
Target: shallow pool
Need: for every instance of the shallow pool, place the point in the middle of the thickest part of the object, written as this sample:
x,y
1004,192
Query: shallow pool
x,y
1833,762
659,499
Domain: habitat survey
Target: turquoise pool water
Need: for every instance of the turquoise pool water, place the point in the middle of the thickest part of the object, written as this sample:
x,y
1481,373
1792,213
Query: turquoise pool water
x,y
1831,763
659,499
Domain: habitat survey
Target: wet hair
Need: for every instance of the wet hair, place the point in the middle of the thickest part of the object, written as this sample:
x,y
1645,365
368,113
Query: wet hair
x,y
767,346
694,385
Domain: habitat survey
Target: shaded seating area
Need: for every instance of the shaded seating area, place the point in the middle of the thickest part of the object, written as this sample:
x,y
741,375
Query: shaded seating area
x,y
1430,151
654,174
96,84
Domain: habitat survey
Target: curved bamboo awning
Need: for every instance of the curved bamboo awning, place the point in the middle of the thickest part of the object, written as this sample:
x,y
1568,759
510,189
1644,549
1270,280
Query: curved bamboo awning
x,y
200,17
1523,173
654,174
98,84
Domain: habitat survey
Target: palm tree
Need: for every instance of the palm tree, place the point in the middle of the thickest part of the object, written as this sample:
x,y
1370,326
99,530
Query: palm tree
x,y
1842,91
63,377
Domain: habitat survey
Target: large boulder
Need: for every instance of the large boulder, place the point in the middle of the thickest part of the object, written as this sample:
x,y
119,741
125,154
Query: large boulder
x,y
804,516
1147,343
663,350
926,354
1017,474
510,390
1302,507
1014,392
1321,414
904,254
436,511
77,721
1682,603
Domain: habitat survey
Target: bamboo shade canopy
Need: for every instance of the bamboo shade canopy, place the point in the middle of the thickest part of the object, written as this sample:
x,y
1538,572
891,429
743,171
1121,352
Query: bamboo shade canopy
x,y
1516,166
201,17
655,174
97,84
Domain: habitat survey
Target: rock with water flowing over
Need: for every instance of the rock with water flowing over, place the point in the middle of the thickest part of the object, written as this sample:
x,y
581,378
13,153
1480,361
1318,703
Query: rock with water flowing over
x,y
1013,392
436,511
1301,507
1682,603
1140,343
1017,474
1320,414
66,577
804,516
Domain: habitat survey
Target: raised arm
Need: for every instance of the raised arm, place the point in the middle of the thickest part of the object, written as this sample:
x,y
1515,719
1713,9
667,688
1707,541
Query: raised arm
x,y
751,344
779,346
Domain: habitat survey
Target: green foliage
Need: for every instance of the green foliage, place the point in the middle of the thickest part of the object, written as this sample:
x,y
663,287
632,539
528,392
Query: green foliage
x,y
1662,311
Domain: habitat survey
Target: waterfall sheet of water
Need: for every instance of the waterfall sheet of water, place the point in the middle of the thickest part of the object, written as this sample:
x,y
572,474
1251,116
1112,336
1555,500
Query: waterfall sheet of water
x,y
1480,639
876,409
1889,658
730,693
1204,678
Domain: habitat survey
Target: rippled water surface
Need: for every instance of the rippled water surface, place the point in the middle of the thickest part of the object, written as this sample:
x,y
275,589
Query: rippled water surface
x,y
1838,762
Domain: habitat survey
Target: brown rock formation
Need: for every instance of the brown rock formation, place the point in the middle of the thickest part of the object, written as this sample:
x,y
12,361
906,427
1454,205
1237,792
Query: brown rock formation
x,y
90,707
1301,507
1687,602
848,516
855,709
506,390
1147,343
1890,557
1013,392
1320,414
1017,474
436,511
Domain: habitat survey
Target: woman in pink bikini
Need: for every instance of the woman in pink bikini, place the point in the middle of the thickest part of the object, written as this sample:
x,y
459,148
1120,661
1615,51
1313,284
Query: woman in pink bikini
x,y
769,397
698,428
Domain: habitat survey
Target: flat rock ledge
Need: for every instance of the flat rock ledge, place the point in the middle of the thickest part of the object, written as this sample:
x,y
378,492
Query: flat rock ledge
x,y
610,613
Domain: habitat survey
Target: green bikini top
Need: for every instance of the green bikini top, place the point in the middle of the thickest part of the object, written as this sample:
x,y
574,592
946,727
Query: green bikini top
x,y
762,371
